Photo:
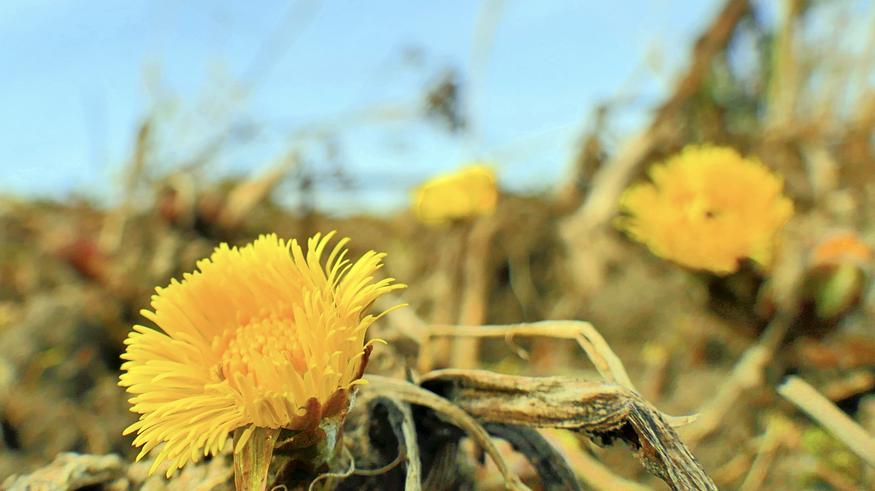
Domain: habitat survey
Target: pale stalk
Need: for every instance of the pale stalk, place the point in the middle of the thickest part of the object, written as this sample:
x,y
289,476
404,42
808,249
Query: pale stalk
x,y
252,457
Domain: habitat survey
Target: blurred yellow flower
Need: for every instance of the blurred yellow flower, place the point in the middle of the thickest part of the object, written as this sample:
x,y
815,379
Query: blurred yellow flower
x,y
708,208
468,192
260,336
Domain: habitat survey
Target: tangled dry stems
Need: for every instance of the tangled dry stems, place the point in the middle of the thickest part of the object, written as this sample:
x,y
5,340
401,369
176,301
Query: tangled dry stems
x,y
603,410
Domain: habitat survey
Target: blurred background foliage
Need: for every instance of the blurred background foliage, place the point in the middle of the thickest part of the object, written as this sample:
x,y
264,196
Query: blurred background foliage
x,y
123,164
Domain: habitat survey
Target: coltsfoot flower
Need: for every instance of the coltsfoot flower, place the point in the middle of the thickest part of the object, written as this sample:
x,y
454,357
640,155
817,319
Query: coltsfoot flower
x,y
263,336
708,208
468,192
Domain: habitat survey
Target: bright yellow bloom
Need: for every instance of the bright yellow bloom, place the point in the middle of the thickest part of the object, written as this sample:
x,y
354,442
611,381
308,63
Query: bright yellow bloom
x,y
468,192
708,208
263,335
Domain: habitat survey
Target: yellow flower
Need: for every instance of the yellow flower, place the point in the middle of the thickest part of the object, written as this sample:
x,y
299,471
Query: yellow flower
x,y
708,208
261,336
468,192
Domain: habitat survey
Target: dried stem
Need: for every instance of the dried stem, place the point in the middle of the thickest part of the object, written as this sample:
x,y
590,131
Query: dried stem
x,y
550,465
413,394
248,194
784,84
806,398
609,182
475,293
588,469
400,418
773,439
112,233
746,374
605,360
445,298
602,411
325,481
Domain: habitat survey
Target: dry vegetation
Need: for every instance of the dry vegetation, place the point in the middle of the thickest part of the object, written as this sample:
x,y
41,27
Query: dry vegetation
x,y
519,401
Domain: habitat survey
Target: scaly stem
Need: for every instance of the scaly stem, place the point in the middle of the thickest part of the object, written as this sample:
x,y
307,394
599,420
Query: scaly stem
x,y
253,449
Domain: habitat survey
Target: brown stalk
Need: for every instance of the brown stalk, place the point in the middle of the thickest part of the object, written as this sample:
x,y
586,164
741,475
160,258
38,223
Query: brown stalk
x,y
551,467
401,421
414,394
588,469
784,84
776,436
112,233
605,360
475,293
445,298
822,410
612,178
747,374
250,193
603,411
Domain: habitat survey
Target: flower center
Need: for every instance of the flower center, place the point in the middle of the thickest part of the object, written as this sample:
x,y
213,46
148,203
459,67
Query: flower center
x,y
259,344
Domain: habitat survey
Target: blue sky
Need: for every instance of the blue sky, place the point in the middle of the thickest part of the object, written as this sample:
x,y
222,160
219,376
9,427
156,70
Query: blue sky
x,y
79,75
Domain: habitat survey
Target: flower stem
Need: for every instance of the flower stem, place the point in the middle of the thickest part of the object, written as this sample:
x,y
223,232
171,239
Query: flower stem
x,y
253,449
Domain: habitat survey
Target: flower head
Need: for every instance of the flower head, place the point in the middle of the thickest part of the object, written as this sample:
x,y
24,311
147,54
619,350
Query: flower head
x,y
708,208
468,192
260,336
